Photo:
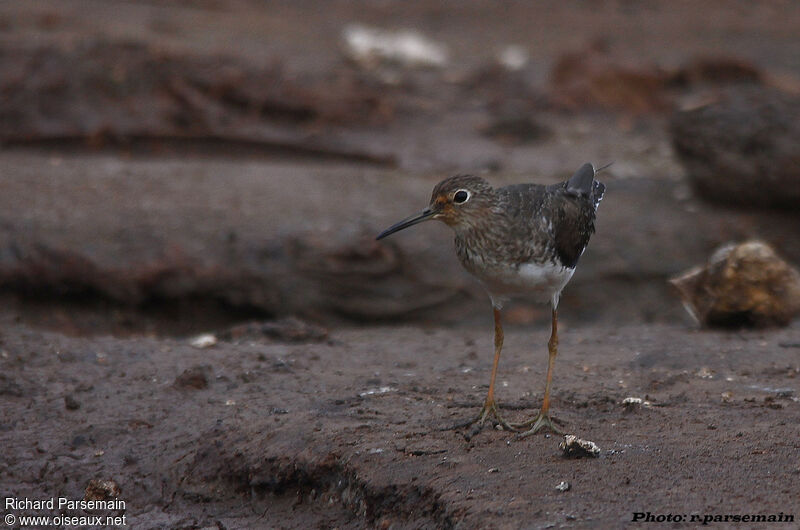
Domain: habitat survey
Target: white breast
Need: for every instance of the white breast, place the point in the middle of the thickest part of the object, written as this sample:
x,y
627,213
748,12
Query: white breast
x,y
539,282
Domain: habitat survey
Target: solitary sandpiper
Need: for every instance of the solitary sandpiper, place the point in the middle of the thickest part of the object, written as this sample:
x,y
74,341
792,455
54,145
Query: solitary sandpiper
x,y
523,240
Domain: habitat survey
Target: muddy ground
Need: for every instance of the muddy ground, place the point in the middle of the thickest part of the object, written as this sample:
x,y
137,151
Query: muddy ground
x,y
347,432
177,169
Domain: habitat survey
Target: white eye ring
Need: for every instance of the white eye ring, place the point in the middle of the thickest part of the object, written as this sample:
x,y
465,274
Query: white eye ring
x,y
458,194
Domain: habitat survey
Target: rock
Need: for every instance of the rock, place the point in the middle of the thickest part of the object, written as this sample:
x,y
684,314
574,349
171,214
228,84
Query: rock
x,y
574,447
194,378
170,234
744,284
206,340
563,486
742,149
71,403
592,78
102,490
632,403
371,46
105,92
513,58
717,70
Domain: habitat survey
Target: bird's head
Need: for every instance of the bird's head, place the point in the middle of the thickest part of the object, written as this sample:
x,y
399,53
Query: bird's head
x,y
458,201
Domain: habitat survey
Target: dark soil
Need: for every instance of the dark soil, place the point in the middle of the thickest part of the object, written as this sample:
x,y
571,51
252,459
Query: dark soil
x,y
172,169
348,431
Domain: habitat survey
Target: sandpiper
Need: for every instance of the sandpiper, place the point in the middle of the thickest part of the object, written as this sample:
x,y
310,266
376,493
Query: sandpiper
x,y
523,240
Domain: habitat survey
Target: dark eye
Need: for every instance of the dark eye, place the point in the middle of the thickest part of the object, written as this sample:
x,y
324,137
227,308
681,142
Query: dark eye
x,y
461,196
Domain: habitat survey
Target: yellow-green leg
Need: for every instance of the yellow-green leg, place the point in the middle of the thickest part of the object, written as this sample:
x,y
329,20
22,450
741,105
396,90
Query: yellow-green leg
x,y
490,408
543,420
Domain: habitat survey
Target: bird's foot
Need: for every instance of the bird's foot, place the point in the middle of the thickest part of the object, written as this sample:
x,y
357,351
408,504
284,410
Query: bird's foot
x,y
541,421
489,414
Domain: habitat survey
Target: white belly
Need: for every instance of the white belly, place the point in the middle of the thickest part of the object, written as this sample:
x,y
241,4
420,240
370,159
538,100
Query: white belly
x,y
541,283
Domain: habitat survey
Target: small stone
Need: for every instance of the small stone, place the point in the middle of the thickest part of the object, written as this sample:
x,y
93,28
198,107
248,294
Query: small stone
x,y
101,490
705,373
71,403
632,402
513,57
194,378
574,447
206,340
493,470
563,486
370,46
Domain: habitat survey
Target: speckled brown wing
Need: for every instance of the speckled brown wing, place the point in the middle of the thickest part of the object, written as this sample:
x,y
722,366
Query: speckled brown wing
x,y
525,205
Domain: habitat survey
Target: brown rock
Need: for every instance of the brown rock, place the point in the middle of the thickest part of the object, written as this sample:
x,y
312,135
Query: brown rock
x,y
717,70
592,78
302,243
574,447
102,490
194,378
71,403
106,92
743,149
744,284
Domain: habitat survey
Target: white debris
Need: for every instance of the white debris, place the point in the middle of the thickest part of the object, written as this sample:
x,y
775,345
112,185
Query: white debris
x,y
705,373
513,58
204,341
369,45
574,447
631,402
374,391
563,486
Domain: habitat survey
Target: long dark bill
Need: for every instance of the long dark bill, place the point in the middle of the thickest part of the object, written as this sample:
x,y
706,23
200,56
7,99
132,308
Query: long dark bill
x,y
424,215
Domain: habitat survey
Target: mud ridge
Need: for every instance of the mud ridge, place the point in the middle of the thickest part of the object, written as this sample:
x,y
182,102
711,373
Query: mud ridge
x,y
202,147
328,480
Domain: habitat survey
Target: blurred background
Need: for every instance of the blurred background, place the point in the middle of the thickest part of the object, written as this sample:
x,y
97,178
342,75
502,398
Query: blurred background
x,y
170,167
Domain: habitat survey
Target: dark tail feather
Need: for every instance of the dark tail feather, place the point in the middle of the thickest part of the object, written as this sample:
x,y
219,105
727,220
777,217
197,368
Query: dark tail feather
x,y
583,183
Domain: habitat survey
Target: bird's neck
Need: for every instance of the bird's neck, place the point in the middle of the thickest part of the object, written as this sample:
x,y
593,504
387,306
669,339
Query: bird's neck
x,y
485,224
479,236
